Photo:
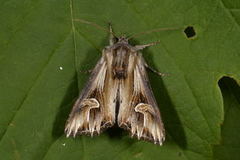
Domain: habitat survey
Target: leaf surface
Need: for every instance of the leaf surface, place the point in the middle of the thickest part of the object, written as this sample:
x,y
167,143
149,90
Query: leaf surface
x,y
45,52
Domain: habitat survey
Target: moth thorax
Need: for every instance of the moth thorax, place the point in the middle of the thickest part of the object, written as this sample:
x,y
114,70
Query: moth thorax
x,y
120,62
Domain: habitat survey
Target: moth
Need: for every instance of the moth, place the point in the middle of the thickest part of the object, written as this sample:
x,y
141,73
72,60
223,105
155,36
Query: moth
x,y
118,91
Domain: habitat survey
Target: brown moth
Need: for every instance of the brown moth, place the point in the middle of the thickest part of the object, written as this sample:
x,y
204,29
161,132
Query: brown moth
x,y
118,91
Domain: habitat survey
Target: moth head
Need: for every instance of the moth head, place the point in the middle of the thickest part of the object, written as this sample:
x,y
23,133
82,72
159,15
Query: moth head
x,y
122,39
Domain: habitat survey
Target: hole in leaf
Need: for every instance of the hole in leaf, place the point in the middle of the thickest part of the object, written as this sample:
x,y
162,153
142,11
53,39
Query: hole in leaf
x,y
189,31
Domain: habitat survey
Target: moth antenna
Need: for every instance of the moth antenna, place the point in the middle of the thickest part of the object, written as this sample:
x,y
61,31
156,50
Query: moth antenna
x,y
153,30
93,24
112,37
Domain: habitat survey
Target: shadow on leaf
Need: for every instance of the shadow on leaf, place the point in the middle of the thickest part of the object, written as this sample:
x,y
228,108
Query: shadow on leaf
x,y
169,115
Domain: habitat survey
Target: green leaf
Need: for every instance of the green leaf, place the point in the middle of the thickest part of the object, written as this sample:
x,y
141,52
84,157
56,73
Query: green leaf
x,y
44,54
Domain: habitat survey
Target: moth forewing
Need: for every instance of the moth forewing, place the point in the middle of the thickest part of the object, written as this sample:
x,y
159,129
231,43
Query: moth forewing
x,y
141,115
90,112
118,90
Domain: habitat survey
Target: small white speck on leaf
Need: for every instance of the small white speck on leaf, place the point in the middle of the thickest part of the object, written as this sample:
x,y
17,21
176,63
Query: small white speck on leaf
x,y
61,68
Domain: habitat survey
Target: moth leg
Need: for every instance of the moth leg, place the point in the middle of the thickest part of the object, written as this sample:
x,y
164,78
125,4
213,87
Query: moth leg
x,y
86,71
154,71
112,37
141,47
